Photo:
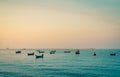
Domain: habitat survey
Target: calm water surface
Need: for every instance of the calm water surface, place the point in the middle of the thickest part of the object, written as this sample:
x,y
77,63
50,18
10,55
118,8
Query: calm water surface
x,y
60,64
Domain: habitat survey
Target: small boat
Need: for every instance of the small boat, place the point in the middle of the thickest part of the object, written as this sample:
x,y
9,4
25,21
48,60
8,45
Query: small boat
x,y
94,54
112,54
17,52
67,51
41,51
39,56
30,54
77,51
52,52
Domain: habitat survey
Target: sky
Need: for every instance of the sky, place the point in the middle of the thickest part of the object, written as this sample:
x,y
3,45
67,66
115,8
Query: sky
x,y
59,23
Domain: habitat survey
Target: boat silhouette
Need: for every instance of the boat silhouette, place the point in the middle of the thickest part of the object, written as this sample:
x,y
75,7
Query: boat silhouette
x,y
112,54
67,51
39,56
30,54
52,52
41,51
17,52
94,54
77,51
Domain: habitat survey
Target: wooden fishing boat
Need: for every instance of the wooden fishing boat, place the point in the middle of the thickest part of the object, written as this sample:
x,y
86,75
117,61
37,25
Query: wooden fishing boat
x,y
94,54
39,56
112,54
41,51
17,52
67,51
30,54
77,51
52,52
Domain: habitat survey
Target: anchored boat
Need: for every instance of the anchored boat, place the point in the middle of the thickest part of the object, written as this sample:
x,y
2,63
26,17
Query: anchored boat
x,y
17,52
39,56
30,54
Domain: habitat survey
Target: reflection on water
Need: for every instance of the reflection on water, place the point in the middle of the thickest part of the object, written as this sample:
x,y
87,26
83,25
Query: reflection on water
x,y
60,64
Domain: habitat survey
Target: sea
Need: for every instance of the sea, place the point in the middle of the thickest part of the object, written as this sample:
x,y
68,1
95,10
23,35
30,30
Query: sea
x,y
60,64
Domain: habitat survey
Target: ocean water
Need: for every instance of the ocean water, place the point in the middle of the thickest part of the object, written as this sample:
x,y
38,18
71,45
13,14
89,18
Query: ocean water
x,y
60,64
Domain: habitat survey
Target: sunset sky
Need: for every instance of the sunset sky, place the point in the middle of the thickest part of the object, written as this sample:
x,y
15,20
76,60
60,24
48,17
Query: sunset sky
x,y
59,23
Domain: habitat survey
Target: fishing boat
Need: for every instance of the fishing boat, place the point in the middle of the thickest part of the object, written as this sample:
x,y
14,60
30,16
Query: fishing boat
x,y
17,52
39,56
112,54
94,54
77,51
52,52
67,51
41,51
30,54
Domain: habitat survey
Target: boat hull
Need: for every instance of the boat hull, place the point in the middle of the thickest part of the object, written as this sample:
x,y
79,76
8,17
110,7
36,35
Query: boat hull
x,y
39,56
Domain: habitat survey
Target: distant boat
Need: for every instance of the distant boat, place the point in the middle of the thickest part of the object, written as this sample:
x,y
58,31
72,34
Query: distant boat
x,y
112,54
92,49
7,48
41,51
30,54
39,56
94,54
17,52
52,52
24,49
67,51
77,51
